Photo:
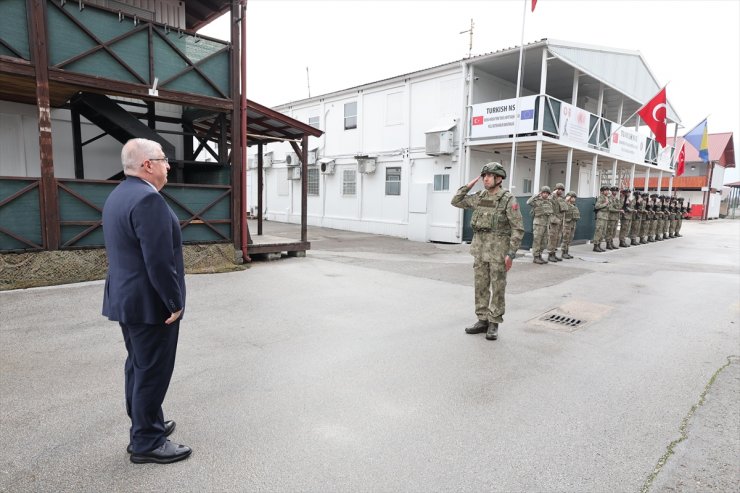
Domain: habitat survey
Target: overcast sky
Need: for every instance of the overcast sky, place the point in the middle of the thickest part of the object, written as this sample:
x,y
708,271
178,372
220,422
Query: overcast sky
x,y
691,45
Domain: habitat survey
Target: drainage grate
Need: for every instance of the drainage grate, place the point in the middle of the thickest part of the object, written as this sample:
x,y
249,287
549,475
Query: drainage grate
x,y
562,320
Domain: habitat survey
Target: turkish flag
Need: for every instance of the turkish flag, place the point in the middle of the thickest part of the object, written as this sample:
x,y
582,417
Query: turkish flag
x,y
653,114
534,3
681,161
477,120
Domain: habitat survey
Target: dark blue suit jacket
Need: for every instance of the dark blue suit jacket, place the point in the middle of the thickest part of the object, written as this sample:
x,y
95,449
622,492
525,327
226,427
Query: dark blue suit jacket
x,y
146,273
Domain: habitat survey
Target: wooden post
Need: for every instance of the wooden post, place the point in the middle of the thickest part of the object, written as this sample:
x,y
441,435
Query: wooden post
x,y
304,189
39,56
236,150
260,186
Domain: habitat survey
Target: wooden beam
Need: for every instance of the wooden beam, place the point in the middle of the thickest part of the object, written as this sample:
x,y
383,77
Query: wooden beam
x,y
77,144
236,151
39,50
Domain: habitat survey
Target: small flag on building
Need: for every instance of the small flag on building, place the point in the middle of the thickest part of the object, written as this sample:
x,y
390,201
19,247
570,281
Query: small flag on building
x,y
699,138
653,114
534,3
681,161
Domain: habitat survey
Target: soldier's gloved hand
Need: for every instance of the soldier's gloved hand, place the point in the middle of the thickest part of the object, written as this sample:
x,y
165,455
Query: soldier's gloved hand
x,y
508,261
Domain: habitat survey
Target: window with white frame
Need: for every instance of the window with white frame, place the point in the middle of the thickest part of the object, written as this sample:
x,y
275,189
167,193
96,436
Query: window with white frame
x,y
313,181
350,115
393,181
314,121
349,182
527,186
441,183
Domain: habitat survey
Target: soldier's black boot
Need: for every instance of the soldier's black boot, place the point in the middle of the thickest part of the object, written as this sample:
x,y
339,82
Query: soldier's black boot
x,y
566,255
538,260
623,243
478,327
643,241
609,245
552,258
614,247
492,333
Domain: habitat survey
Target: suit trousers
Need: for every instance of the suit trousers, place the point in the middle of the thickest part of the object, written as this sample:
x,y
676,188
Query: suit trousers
x,y
490,289
148,370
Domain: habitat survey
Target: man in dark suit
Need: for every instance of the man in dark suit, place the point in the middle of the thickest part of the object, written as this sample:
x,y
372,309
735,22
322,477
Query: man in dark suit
x,y
145,294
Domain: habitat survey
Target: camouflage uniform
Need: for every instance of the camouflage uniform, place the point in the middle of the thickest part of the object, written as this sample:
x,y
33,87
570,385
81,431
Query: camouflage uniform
x,y
625,224
637,216
499,229
601,208
541,210
668,218
681,214
660,218
572,215
615,207
653,218
556,222
647,219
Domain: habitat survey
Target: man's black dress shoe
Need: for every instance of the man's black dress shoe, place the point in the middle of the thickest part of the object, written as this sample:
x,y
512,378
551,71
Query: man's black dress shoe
x,y
169,427
166,453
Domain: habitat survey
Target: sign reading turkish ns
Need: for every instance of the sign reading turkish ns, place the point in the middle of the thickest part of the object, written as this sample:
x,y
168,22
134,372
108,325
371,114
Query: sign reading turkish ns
x,y
497,118
628,145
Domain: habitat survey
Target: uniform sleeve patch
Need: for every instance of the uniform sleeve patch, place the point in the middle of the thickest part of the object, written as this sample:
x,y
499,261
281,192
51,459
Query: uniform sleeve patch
x,y
515,206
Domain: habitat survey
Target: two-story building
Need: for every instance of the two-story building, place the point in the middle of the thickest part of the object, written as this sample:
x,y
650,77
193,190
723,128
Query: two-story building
x,y
394,151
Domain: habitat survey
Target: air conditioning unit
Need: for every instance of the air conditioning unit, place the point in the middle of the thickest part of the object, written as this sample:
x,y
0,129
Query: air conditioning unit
x,y
439,143
313,154
366,164
327,166
294,173
267,160
291,159
251,163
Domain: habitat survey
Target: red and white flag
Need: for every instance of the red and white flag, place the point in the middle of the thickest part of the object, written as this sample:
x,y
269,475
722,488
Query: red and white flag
x,y
653,114
534,3
681,161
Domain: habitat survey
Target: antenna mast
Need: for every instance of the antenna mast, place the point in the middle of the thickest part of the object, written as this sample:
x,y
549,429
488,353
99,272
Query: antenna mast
x,y
470,44
308,83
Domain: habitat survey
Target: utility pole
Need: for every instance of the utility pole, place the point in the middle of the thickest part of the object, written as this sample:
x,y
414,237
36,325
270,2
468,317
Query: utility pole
x,y
308,83
470,44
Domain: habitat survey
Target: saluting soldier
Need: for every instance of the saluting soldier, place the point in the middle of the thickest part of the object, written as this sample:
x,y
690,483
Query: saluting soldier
x,y
660,217
615,208
572,215
556,222
646,219
653,216
601,208
541,210
498,232
637,215
668,218
681,214
625,223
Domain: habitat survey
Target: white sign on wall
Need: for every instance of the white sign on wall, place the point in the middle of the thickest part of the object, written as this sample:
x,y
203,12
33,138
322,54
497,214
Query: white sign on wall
x,y
664,157
497,118
628,145
574,122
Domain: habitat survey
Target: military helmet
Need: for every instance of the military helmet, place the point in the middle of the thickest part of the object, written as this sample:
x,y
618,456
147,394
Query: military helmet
x,y
545,189
680,199
603,187
614,189
493,168
571,194
560,186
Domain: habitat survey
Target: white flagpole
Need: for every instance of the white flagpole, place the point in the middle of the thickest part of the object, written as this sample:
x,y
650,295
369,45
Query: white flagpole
x,y
517,113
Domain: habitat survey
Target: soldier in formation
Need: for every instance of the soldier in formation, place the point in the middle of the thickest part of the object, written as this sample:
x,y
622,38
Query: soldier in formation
x,y
615,210
572,215
559,207
541,211
625,222
498,232
638,211
601,208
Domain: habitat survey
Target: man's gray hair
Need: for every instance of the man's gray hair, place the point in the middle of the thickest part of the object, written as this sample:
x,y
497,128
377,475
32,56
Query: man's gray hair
x,y
135,152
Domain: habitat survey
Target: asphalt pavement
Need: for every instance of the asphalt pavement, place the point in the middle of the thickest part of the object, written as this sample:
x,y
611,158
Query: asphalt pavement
x,y
349,371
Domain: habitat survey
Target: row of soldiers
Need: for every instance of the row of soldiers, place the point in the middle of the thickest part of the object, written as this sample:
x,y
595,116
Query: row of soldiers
x,y
642,217
553,218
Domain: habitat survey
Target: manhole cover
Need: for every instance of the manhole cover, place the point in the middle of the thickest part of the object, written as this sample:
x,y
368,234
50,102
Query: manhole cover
x,y
571,316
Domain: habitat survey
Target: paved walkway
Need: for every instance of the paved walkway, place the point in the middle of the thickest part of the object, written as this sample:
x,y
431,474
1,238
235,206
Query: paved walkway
x,y
348,370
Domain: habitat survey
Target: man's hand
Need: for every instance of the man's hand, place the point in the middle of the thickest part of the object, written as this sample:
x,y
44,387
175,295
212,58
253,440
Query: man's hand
x,y
507,263
473,182
176,315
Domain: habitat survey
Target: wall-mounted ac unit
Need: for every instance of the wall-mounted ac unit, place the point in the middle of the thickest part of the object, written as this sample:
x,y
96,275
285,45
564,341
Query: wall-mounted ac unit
x,y
267,160
252,162
327,166
294,173
312,156
438,143
291,159
366,164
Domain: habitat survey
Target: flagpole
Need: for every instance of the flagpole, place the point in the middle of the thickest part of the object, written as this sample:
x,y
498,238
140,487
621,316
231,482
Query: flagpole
x,y
621,125
518,94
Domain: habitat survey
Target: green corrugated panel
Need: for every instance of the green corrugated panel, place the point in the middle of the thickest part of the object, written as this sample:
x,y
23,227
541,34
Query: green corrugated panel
x,y
192,82
21,216
134,51
73,209
196,233
104,25
14,27
167,62
103,65
91,239
65,38
217,69
196,199
194,48
216,175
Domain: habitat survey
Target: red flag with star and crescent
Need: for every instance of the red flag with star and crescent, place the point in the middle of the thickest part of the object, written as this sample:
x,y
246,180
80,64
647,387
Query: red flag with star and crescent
x,y
653,114
681,161
534,3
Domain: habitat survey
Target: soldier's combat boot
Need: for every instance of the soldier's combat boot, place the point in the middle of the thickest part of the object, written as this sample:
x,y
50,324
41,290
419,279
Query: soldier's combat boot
x,y
566,255
609,245
538,260
478,327
492,333
597,247
552,258
614,247
643,241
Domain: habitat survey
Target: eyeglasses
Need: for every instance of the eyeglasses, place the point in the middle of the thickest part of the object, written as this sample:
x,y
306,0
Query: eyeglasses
x,y
165,159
